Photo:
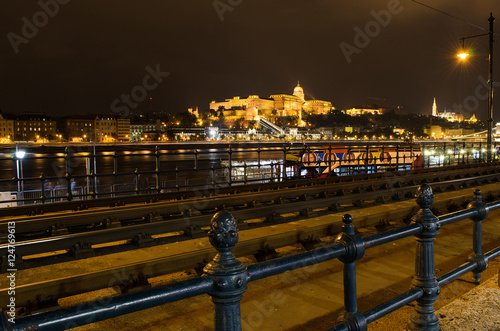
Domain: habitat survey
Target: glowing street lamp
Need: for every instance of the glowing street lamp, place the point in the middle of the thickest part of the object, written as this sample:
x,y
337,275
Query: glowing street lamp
x,y
20,154
19,167
463,55
465,52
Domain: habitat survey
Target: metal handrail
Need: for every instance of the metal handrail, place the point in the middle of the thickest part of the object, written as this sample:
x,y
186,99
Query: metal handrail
x,y
226,278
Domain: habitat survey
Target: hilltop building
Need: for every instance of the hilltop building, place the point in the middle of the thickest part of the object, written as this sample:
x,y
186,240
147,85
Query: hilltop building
x,y
364,110
277,105
451,116
374,110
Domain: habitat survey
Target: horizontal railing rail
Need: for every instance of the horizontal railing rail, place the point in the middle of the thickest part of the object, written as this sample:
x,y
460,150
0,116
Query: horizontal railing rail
x,y
86,173
226,278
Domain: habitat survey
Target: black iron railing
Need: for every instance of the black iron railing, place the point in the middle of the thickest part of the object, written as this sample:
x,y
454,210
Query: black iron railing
x,y
226,278
84,172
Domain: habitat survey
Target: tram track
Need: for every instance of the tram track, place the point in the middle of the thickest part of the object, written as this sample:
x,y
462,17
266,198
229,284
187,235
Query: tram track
x,y
119,210
36,294
136,225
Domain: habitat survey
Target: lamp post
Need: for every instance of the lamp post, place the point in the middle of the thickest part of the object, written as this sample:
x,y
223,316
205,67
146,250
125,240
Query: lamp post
x,y
463,56
490,87
19,167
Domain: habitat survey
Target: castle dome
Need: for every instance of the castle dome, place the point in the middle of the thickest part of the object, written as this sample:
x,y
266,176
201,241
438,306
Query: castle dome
x,y
298,91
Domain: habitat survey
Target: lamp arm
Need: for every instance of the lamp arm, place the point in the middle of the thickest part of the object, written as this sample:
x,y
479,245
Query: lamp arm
x,y
477,35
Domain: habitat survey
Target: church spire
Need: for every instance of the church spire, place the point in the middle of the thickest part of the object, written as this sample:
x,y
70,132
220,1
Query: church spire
x,y
434,108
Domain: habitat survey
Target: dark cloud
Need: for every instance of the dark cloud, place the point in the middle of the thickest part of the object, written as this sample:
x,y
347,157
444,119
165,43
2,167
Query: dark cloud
x,y
93,51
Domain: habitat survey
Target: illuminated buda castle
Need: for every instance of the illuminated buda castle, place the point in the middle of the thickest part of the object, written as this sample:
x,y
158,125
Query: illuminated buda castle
x,y
277,105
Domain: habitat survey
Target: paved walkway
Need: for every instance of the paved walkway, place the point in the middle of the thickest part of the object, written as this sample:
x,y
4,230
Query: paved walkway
x,y
478,310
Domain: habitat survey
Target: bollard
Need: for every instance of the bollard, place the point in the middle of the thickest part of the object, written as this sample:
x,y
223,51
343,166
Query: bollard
x,y
354,250
230,276
477,256
424,317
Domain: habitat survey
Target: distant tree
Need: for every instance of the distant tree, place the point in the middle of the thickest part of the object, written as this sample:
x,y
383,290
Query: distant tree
x,y
305,115
205,114
239,123
220,111
185,119
252,124
170,134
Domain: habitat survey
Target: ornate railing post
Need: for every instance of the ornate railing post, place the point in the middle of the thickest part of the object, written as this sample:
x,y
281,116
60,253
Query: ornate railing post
x,y
354,250
43,196
283,175
424,317
137,181
230,179
229,275
158,170
477,256
68,176
397,157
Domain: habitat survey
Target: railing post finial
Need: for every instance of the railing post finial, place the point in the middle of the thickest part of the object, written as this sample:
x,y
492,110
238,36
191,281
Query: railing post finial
x,y
424,317
424,196
229,275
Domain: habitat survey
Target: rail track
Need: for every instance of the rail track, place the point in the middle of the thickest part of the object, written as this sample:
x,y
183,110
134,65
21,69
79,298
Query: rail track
x,y
320,197
77,233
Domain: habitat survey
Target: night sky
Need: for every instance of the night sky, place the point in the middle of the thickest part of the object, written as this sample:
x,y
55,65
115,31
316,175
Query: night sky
x,y
91,52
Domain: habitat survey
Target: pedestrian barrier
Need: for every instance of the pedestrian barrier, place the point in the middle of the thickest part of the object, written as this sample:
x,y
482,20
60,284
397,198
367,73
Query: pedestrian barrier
x,y
78,177
226,279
